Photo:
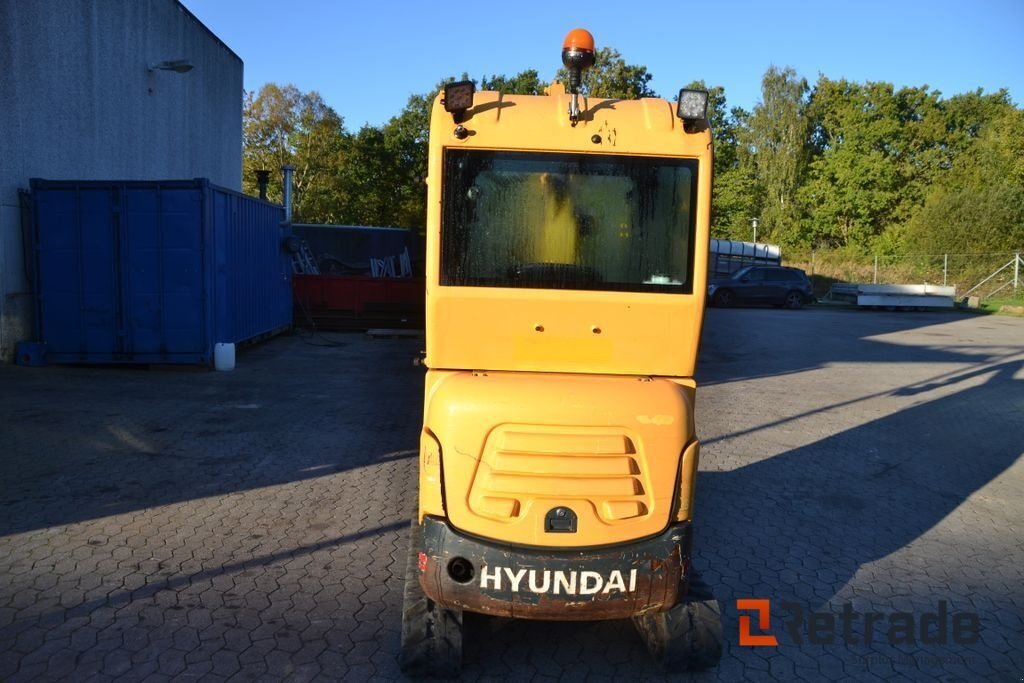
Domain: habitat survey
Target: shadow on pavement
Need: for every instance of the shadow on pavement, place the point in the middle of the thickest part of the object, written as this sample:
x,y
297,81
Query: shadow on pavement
x,y
740,344
82,443
890,480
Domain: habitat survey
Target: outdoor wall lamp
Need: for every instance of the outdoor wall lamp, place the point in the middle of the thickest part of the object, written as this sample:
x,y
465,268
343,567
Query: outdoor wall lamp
x,y
181,66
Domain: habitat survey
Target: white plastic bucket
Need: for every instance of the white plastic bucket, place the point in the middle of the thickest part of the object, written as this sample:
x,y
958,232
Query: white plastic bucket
x,y
223,356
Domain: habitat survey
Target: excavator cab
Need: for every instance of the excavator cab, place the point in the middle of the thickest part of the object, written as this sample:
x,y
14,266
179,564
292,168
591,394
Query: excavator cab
x,y
567,242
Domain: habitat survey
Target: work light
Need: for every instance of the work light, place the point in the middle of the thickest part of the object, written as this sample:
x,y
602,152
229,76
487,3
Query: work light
x,y
693,105
458,97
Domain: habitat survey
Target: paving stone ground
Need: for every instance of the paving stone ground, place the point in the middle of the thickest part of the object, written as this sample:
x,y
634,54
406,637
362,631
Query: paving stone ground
x,y
173,524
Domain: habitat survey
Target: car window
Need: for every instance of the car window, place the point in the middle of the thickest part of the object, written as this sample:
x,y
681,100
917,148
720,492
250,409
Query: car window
x,y
756,275
782,275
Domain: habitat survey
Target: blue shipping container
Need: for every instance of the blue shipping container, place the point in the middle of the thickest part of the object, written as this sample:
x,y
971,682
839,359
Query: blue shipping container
x,y
155,271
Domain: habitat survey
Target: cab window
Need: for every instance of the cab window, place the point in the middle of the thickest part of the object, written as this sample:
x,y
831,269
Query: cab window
x,y
568,221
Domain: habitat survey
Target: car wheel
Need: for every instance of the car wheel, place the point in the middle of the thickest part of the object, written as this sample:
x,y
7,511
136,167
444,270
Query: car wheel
x,y
794,300
723,298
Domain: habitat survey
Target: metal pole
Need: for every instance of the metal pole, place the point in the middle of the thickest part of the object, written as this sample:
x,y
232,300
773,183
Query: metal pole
x,y
288,170
945,268
1016,260
1016,272
876,270
262,179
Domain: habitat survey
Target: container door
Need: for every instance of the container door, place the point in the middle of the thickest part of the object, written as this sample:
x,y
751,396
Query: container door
x,y
76,238
164,289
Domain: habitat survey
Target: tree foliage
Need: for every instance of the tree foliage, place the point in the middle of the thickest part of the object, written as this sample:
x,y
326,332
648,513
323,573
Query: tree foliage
x,y
775,138
860,166
405,141
734,193
978,206
281,125
879,154
853,183
524,83
611,77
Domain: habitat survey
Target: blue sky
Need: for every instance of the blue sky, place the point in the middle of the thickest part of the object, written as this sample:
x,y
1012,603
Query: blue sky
x,y
367,58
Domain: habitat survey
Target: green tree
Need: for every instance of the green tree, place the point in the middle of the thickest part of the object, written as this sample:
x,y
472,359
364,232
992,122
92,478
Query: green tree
x,y
776,137
724,125
405,138
524,83
319,148
735,200
400,153
734,193
877,152
854,182
281,125
368,175
611,77
268,122
978,206
967,114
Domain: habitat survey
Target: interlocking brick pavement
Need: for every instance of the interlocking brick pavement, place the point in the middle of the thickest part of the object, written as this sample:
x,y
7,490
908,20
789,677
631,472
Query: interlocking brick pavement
x,y
173,524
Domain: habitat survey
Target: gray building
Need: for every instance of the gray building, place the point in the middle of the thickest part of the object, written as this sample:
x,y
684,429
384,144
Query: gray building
x,y
111,89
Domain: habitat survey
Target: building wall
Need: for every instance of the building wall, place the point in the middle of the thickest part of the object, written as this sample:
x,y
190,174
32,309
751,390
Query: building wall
x,y
78,101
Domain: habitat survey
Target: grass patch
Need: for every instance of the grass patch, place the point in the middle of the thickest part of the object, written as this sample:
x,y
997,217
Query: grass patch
x,y
997,306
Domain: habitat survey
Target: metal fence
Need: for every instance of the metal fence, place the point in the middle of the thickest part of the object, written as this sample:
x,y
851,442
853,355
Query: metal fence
x,y
983,275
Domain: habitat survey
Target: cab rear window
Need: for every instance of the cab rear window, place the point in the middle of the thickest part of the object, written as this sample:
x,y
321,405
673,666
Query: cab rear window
x,y
568,221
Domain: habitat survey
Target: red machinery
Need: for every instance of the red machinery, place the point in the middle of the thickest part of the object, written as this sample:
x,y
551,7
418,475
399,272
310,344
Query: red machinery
x,y
345,302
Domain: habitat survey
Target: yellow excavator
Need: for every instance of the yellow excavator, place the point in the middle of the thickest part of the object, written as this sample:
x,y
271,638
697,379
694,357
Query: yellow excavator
x,y
567,242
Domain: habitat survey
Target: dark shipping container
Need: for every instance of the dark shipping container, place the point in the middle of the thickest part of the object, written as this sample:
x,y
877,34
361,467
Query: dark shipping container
x,y
155,271
357,302
349,249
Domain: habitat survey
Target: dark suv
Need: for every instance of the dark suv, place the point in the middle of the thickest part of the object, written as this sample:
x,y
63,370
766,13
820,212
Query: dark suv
x,y
774,285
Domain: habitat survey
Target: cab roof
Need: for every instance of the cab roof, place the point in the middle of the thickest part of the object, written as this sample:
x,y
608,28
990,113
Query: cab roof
x,y
647,126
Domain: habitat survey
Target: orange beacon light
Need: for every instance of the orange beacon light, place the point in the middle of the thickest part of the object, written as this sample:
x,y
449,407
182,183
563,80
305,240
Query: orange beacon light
x,y
577,56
